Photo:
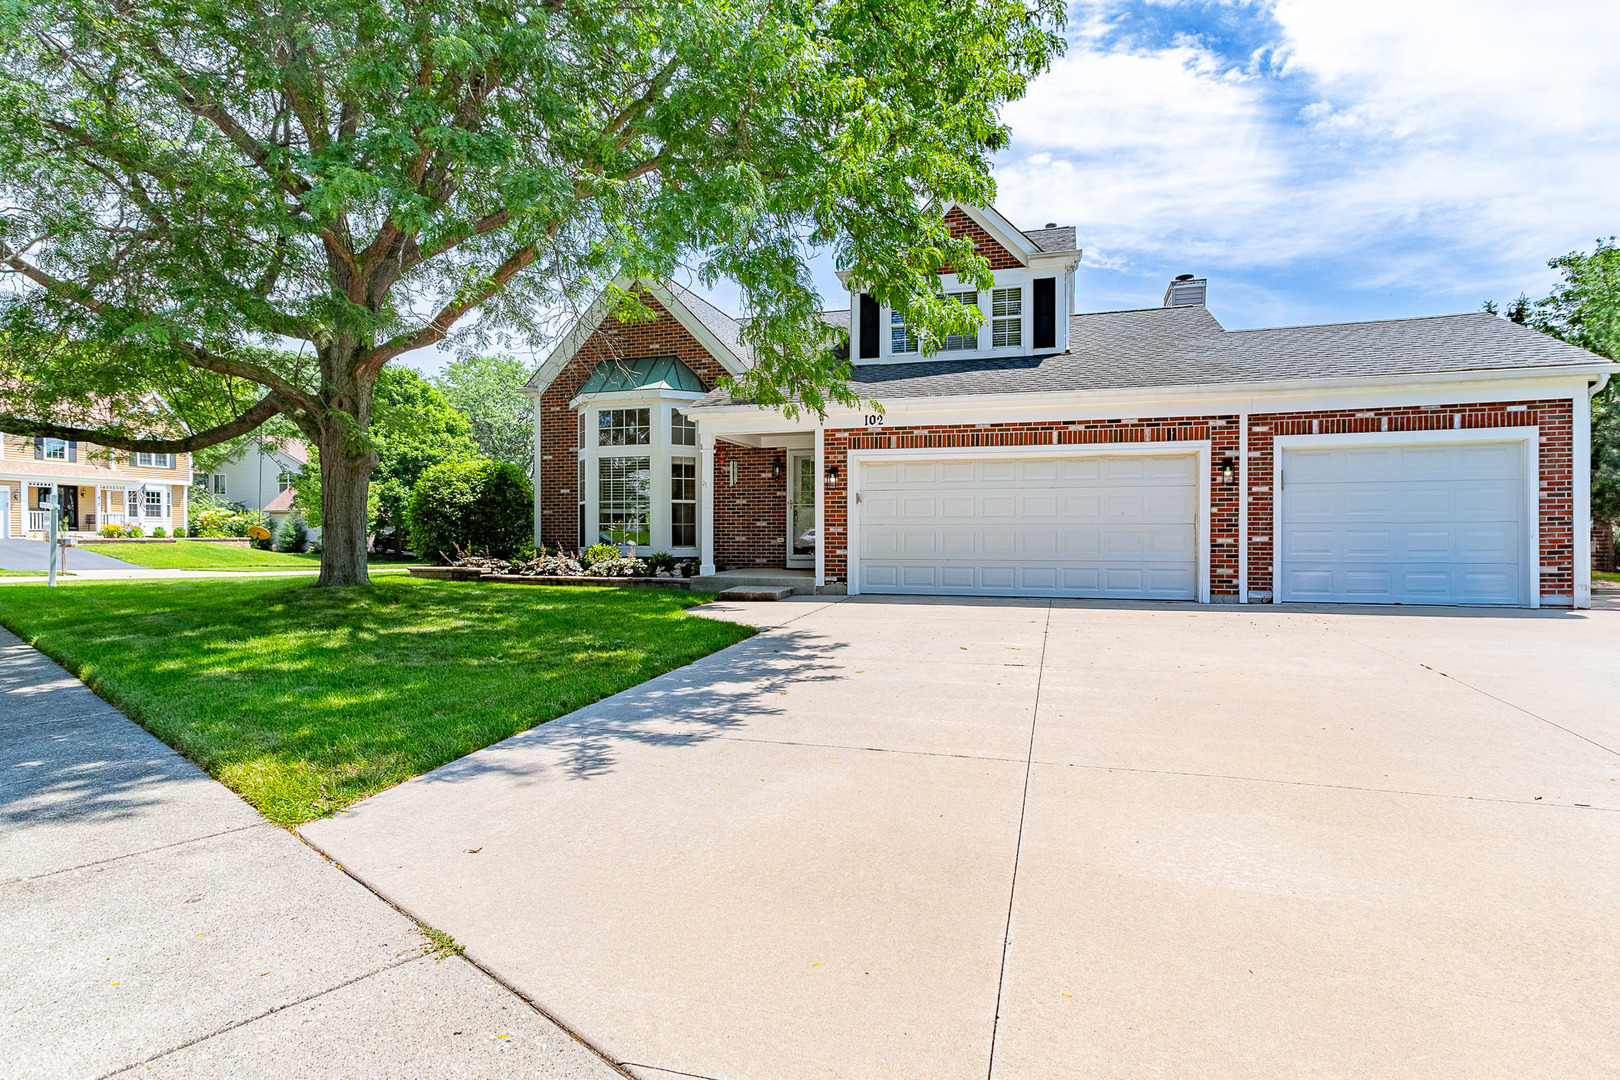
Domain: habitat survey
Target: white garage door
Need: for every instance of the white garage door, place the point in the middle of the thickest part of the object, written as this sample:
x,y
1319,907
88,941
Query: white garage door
x,y
1416,524
1082,526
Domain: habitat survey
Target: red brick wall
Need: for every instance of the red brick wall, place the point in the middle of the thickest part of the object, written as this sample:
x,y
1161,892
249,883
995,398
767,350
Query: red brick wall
x,y
983,243
1556,445
1557,477
1603,546
750,528
558,480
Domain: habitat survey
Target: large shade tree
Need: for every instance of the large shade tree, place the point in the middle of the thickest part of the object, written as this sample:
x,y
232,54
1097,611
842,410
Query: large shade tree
x,y
185,181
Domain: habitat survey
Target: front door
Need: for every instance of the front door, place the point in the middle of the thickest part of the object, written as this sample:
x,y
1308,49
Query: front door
x,y
802,513
69,502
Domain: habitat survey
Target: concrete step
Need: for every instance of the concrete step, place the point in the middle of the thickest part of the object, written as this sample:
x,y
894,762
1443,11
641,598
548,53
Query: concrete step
x,y
756,592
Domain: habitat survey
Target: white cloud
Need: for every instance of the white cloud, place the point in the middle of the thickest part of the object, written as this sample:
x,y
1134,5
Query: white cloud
x,y
1438,146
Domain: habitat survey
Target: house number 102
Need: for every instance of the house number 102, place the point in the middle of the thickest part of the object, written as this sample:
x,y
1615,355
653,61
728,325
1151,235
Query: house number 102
x,y
874,419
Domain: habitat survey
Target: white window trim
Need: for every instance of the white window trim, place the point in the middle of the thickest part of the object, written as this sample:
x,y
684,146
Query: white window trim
x,y
659,450
1016,278
1528,437
60,444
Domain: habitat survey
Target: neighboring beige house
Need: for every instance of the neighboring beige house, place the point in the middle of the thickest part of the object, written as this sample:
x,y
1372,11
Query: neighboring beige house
x,y
91,486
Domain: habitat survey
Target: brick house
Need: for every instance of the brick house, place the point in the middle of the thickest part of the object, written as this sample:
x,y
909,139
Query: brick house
x,y
1145,454
91,487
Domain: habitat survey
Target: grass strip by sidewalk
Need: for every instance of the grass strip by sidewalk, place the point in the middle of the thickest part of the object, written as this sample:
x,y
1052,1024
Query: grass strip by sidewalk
x,y
198,555
305,700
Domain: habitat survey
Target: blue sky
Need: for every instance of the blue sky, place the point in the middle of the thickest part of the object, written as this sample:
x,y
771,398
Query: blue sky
x,y
1318,160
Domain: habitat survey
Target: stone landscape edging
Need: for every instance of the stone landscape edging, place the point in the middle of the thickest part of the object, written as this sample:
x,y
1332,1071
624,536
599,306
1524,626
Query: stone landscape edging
x,y
461,573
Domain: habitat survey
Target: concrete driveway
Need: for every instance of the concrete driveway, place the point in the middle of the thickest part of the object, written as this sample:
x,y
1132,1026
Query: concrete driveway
x,y
18,554
1028,839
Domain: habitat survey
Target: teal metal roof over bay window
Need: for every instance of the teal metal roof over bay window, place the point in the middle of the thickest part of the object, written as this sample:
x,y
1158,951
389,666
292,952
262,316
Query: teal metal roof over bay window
x,y
646,373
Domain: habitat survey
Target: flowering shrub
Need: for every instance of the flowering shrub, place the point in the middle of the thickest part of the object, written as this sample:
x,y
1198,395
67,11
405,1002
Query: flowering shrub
x,y
616,565
556,564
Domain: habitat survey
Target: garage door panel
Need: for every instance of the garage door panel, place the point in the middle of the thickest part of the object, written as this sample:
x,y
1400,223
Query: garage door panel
x,y
1092,525
1415,524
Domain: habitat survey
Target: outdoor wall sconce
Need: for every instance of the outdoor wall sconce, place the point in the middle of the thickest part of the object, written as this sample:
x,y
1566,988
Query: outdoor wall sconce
x,y
1228,470
776,470
832,473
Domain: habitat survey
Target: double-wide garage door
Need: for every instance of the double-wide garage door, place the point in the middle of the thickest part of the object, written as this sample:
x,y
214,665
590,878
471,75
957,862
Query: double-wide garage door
x,y
1413,524
1082,526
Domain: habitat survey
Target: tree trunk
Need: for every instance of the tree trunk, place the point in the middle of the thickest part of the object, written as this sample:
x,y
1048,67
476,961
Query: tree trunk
x,y
345,483
347,461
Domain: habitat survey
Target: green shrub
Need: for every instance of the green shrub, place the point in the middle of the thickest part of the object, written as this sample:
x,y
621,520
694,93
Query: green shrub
x,y
661,560
159,532
292,534
599,553
472,506
179,532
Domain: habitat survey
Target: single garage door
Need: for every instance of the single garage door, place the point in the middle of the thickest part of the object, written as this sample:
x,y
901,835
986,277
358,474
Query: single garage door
x,y
1094,525
1415,524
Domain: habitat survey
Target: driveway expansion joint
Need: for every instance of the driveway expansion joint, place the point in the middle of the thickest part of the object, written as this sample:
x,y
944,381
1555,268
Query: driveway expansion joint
x,y
133,854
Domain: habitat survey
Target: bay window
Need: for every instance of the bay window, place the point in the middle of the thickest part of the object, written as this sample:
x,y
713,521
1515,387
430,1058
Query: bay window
x,y
901,339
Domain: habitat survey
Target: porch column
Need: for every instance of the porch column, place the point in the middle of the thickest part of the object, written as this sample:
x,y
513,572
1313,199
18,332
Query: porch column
x,y
705,502
101,506
821,506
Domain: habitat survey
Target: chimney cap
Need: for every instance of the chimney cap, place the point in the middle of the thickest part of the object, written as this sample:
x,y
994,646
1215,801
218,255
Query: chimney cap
x,y
1185,291
1051,224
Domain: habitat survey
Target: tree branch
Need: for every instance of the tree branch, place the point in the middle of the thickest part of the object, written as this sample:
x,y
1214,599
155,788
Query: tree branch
x,y
266,407
436,331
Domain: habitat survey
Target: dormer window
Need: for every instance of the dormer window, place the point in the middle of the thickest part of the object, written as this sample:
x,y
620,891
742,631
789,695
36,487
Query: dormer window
x,y
962,342
902,340
1006,317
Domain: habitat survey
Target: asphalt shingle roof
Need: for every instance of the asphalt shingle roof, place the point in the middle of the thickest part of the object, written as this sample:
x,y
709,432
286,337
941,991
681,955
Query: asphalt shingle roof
x,y
1059,238
1185,346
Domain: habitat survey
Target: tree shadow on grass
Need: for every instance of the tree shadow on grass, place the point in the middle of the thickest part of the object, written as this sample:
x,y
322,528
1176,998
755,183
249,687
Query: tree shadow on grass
x,y
716,696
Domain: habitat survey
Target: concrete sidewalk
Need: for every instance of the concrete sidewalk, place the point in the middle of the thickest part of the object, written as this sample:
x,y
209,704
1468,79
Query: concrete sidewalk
x,y
151,921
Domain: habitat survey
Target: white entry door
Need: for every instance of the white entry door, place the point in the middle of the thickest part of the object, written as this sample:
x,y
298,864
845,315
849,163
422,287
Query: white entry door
x,y
1087,525
1421,523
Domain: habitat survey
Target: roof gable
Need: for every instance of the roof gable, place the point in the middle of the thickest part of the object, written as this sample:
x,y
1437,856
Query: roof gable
x,y
717,332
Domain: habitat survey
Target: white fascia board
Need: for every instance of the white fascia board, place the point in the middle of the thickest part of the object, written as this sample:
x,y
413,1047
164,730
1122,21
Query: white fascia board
x,y
718,349
1275,396
569,346
1005,232
615,397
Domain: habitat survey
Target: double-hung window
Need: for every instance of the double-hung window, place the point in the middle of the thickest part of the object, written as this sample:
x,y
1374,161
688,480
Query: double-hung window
x,y
682,432
219,484
683,502
283,481
969,340
154,503
623,499
1006,317
901,337
56,449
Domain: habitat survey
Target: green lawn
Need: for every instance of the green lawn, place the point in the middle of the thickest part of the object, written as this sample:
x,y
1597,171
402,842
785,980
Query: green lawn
x,y
197,555
1604,575
23,573
305,700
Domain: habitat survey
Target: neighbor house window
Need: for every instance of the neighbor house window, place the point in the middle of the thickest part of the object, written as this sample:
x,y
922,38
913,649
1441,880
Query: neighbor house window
x,y
970,340
682,432
901,339
56,449
219,484
154,504
623,427
624,494
283,481
199,479
683,502
1006,317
